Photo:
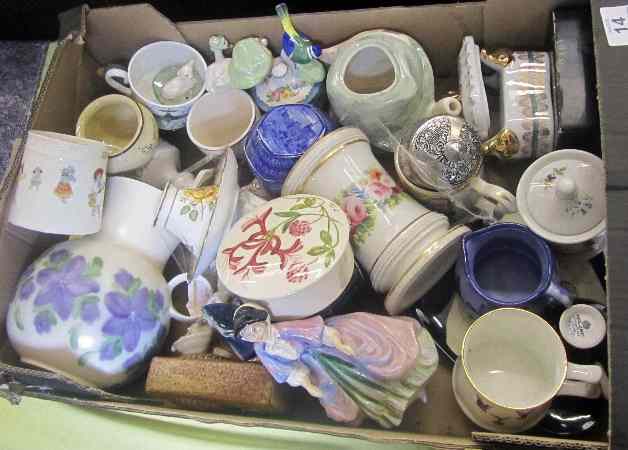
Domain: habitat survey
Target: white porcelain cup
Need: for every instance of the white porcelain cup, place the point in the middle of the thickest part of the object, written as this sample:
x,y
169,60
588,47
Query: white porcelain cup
x,y
145,64
221,120
512,365
127,128
60,186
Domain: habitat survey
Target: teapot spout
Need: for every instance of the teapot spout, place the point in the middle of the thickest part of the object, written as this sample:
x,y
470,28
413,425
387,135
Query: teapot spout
x,y
449,106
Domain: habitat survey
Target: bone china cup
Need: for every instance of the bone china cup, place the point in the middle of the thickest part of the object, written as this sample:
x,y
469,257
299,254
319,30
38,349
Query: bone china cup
x,y
145,64
512,365
60,186
221,120
127,128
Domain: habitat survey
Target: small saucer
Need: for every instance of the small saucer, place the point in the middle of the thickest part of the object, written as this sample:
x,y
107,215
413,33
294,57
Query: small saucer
x,y
430,265
225,210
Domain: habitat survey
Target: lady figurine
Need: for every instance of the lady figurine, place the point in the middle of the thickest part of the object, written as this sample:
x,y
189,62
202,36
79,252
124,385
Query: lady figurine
x,y
299,50
94,198
354,363
63,190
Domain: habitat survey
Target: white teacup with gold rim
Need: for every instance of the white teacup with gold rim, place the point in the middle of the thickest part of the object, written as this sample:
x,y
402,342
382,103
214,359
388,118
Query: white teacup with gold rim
x,y
127,128
388,227
511,366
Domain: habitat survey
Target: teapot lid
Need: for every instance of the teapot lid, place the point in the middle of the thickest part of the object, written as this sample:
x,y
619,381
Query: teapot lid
x,y
283,247
562,198
446,152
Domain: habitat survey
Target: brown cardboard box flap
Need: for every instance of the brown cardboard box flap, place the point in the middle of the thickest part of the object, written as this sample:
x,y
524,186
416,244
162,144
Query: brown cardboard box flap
x,y
116,33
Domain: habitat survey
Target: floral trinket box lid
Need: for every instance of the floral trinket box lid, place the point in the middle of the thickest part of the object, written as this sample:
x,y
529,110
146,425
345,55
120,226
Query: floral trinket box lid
x,y
561,196
293,246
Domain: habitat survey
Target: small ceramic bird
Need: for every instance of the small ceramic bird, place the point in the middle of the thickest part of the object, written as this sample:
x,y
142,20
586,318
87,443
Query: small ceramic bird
x,y
183,82
300,49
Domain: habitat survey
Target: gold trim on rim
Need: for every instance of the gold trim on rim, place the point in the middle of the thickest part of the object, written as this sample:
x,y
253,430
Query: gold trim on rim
x,y
127,101
536,317
403,230
426,253
330,154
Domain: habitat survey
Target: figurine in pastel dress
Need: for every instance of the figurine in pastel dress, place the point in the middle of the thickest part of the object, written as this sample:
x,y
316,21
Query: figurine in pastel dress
x,y
358,365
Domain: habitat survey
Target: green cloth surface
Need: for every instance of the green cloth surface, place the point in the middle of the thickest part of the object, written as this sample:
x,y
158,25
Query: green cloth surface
x,y
47,425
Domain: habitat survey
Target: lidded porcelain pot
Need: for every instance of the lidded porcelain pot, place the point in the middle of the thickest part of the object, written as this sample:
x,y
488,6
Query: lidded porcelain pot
x,y
562,198
291,254
405,247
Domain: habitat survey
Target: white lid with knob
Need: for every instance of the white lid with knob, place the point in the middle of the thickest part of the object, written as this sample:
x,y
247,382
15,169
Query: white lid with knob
x,y
562,198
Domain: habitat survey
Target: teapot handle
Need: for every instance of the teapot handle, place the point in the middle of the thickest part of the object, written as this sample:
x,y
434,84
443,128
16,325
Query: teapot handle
x,y
449,106
504,200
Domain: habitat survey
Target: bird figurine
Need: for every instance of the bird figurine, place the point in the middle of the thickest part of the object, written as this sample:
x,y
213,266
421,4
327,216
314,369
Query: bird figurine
x,y
177,84
300,50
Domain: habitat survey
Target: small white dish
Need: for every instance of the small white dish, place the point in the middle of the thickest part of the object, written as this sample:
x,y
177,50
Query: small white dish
x,y
582,326
292,255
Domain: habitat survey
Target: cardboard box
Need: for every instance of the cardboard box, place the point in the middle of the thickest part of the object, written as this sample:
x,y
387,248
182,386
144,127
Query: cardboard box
x,y
105,36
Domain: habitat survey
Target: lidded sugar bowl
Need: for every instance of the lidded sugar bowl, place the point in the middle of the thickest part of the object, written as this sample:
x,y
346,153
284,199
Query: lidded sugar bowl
x,y
447,155
562,198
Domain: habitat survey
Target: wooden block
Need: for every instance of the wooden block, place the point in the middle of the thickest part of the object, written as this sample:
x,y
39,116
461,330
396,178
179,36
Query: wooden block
x,y
207,383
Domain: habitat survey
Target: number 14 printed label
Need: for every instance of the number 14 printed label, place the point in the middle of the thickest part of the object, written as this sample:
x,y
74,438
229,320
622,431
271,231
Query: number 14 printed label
x,y
615,21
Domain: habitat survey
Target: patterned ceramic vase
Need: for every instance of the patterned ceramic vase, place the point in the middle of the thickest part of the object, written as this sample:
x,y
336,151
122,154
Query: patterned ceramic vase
x,y
96,309
404,247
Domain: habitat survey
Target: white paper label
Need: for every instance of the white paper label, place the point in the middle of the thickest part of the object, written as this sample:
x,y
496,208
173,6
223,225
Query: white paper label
x,y
615,20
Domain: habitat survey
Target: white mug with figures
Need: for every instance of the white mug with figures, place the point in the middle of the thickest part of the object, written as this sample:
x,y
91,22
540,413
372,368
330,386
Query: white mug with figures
x,y
60,184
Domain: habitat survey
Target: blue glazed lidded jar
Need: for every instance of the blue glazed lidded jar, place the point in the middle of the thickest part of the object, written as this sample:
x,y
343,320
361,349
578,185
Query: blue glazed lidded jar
x,y
280,138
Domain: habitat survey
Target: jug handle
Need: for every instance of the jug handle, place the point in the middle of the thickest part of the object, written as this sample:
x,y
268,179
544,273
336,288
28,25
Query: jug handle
x,y
111,73
559,294
174,314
